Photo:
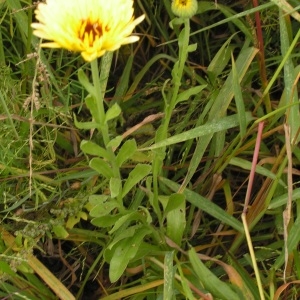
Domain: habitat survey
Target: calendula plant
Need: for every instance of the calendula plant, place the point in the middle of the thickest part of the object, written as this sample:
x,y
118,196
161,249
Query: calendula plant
x,y
96,29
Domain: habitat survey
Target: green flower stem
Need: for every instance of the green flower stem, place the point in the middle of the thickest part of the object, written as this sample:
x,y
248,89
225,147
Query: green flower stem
x,y
100,102
170,103
177,73
100,86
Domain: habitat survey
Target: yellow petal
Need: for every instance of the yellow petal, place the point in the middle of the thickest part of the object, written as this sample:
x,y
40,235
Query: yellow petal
x,y
90,27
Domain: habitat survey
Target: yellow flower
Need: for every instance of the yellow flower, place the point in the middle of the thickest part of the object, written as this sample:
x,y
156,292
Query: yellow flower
x,y
184,8
91,27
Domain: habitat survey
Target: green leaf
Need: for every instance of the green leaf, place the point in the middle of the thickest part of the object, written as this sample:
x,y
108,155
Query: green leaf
x,y
91,104
115,143
139,76
216,116
175,77
105,69
146,249
119,236
123,82
176,21
60,231
292,243
115,186
91,148
25,268
169,276
86,83
206,205
145,215
192,47
112,112
291,76
128,233
130,216
281,200
85,125
5,268
287,8
221,103
125,251
102,167
176,220
209,128
184,282
21,18
98,199
210,281
239,101
135,176
105,221
190,92
74,219
174,201
247,165
220,60
103,209
127,150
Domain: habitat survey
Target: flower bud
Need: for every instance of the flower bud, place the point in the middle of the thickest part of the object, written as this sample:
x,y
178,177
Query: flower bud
x,y
184,8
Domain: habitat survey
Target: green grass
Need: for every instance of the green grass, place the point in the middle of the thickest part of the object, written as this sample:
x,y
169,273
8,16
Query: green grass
x,y
157,206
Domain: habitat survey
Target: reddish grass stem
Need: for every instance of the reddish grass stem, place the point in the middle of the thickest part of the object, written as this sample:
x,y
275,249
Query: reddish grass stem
x,y
253,167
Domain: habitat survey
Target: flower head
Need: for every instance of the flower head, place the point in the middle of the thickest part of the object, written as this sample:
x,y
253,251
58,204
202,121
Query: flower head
x,y
91,27
184,8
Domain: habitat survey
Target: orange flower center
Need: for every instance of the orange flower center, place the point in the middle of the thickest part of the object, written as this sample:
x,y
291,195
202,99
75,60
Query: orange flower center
x,y
183,2
89,31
